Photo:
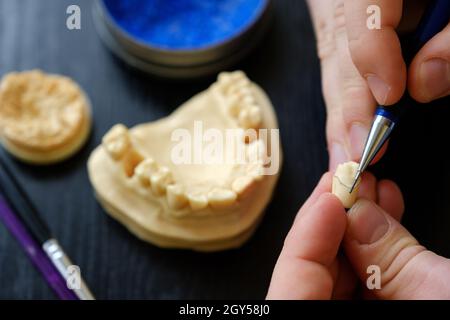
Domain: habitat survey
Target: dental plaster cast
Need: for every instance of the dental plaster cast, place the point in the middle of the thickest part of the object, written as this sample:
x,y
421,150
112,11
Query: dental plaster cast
x,y
43,118
204,207
342,183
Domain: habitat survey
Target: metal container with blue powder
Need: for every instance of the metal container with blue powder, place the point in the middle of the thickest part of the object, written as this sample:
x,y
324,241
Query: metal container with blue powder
x,y
181,38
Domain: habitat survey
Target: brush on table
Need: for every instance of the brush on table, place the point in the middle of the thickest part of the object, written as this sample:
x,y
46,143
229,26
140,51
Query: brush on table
x,y
33,250
23,220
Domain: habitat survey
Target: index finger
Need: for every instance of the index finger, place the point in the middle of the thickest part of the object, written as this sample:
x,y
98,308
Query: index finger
x,y
375,49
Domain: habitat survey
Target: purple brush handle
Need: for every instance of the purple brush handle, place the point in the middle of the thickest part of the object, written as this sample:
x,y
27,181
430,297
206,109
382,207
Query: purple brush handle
x,y
35,252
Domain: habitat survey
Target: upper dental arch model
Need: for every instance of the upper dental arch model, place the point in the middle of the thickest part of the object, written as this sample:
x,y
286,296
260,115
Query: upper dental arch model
x,y
204,207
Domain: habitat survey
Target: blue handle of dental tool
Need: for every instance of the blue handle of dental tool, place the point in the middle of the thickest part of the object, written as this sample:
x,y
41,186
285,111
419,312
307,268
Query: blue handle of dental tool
x,y
387,113
435,18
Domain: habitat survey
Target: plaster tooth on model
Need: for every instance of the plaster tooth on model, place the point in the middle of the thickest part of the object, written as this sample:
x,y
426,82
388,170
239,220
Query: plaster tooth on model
x,y
256,150
176,197
256,153
342,183
243,90
255,116
224,81
160,180
144,170
256,170
243,185
130,161
197,201
224,78
236,89
240,88
238,76
244,82
117,141
243,86
220,198
230,82
234,106
216,88
250,117
248,100
249,136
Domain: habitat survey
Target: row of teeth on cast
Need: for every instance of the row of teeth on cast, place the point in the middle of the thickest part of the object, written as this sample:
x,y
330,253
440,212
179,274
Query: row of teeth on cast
x,y
240,101
158,179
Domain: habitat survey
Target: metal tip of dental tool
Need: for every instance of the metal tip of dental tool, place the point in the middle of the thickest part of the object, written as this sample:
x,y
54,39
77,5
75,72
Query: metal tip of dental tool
x,y
355,181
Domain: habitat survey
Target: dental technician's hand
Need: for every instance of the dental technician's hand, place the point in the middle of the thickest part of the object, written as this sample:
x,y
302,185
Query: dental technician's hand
x,y
362,68
311,267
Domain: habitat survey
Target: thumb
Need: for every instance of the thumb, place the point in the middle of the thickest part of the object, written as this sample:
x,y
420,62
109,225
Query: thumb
x,y
377,53
407,270
429,73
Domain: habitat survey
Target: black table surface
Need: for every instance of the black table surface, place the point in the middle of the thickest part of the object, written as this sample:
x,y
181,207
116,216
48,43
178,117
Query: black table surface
x,y
114,263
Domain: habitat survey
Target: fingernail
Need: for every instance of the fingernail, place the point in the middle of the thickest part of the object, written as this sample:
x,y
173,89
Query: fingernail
x,y
379,88
358,137
337,155
435,78
368,223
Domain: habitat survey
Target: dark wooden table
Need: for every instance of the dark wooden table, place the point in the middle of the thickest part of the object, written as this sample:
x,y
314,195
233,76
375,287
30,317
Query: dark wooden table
x,y
116,265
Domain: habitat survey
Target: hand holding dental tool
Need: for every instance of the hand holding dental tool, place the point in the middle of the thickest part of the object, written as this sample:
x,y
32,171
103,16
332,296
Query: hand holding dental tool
x,y
434,20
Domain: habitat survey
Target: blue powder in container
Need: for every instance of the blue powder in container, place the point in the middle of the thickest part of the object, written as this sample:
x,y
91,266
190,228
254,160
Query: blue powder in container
x,y
184,24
